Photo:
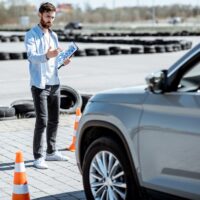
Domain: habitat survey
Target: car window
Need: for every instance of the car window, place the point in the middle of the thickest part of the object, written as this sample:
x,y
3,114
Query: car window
x,y
195,71
190,81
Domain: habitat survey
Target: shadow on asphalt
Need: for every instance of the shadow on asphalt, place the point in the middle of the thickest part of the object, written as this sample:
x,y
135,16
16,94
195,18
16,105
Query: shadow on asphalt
x,y
11,165
77,195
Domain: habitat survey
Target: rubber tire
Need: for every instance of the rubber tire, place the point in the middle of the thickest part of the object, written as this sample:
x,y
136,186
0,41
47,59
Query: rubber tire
x,y
91,52
160,48
16,56
110,145
14,39
30,114
85,99
125,51
4,56
6,112
5,39
103,52
137,50
23,106
149,49
24,55
70,100
115,50
80,53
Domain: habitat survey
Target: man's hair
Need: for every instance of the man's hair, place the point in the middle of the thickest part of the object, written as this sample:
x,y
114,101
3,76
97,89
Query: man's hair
x,y
47,7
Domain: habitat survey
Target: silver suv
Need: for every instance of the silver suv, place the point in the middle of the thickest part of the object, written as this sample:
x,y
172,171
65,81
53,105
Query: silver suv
x,y
139,142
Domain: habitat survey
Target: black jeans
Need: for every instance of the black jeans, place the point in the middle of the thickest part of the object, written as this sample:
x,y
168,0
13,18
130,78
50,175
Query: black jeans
x,y
47,105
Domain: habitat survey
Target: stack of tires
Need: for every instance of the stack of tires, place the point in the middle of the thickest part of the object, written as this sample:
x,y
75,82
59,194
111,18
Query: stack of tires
x,y
70,100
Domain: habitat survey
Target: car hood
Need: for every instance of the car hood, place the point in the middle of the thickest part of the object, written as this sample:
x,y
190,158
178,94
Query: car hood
x,y
131,95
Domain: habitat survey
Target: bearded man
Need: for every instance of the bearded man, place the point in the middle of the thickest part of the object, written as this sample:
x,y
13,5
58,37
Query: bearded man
x,y
42,48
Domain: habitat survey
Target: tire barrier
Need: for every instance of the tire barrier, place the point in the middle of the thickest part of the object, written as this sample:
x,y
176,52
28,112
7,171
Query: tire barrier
x,y
5,39
14,38
149,49
160,48
125,51
136,46
7,113
137,34
115,50
30,114
103,52
79,53
23,107
137,50
117,34
70,100
4,56
92,39
169,48
79,37
91,52
16,56
24,55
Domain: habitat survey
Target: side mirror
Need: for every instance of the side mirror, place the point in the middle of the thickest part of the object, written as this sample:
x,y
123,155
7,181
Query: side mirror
x,y
157,82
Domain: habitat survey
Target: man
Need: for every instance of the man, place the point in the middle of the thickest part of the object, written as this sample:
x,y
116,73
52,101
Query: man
x,y
42,48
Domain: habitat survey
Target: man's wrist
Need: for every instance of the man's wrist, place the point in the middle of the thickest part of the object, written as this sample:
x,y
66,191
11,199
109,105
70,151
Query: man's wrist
x,y
46,56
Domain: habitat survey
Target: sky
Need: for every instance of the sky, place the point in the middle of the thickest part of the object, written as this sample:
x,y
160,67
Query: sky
x,y
119,3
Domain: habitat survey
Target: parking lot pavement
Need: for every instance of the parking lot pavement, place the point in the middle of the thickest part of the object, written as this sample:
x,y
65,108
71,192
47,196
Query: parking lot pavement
x,y
61,181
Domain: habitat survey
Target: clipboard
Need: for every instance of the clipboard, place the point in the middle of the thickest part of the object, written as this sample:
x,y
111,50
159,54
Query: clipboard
x,y
67,53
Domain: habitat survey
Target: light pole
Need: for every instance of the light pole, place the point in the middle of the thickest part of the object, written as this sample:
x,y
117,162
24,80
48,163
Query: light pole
x,y
138,7
113,6
153,12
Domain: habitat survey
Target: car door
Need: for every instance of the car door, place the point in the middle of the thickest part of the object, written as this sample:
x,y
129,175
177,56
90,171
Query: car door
x,y
169,139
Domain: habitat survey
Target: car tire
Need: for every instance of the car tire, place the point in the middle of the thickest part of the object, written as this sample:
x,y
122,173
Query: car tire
x,y
108,147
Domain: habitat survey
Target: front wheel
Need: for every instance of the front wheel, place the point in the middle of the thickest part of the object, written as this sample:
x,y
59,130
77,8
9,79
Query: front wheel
x,y
106,172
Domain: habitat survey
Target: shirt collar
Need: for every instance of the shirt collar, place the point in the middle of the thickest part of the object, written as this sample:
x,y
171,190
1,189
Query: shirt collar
x,y
41,31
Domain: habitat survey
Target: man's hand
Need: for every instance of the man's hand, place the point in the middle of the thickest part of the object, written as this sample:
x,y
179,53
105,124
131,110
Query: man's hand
x,y
67,61
52,53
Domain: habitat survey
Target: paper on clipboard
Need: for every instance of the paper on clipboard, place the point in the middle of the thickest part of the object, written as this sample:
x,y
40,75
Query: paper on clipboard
x,y
66,53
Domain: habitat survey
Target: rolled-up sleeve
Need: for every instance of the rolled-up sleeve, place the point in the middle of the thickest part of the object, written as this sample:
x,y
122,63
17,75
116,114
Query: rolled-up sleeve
x,y
31,49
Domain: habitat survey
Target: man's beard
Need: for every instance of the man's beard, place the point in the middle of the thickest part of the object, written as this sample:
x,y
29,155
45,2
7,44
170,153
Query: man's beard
x,y
44,24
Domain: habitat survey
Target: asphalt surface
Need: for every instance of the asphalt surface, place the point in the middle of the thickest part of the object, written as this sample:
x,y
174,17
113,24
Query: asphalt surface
x,y
62,181
87,75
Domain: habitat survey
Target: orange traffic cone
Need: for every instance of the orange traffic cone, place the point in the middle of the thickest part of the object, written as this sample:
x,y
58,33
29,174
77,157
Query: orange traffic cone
x,y
20,189
72,147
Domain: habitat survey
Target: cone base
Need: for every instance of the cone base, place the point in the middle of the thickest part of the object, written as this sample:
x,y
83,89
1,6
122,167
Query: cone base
x,y
72,148
21,196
